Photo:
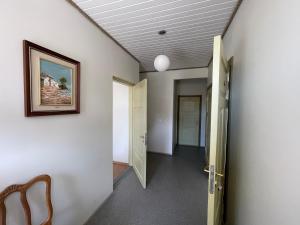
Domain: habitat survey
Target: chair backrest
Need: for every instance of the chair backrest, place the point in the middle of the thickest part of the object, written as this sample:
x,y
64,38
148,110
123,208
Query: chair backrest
x,y
22,188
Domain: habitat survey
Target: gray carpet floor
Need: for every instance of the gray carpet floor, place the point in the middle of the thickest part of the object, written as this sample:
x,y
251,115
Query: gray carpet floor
x,y
176,193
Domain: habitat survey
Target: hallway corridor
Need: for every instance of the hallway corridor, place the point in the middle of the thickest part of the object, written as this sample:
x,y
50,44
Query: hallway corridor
x,y
176,193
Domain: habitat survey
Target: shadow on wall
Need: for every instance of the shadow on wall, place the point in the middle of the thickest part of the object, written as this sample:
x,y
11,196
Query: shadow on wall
x,y
72,193
234,170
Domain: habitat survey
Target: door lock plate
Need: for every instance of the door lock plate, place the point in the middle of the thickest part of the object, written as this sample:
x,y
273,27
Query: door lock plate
x,y
212,179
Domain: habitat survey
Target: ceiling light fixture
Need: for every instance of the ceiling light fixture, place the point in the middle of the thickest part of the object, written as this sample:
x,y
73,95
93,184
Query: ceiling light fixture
x,y
162,62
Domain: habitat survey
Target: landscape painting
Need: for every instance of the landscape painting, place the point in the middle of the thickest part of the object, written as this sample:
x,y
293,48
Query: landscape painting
x,y
56,83
51,82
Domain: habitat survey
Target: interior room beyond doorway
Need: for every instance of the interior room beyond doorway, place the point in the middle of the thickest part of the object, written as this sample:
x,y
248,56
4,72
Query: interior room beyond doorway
x,y
121,128
190,112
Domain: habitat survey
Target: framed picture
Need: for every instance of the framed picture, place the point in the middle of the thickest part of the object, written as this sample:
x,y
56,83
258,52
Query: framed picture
x,y
51,82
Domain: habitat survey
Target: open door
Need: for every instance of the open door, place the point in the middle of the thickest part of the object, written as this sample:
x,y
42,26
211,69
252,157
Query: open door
x,y
207,128
218,134
139,130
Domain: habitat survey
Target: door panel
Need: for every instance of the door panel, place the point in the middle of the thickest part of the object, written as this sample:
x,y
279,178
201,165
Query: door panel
x,y
218,134
139,130
207,129
189,120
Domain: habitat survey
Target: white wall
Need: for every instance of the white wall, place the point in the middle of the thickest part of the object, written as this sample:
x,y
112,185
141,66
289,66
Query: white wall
x,y
264,152
120,122
79,156
194,87
160,106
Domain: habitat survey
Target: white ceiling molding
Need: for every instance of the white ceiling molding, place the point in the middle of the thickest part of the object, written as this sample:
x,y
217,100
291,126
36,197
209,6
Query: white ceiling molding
x,y
190,25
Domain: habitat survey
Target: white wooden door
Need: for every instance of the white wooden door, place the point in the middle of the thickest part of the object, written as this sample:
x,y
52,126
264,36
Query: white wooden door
x,y
189,120
139,130
207,128
218,134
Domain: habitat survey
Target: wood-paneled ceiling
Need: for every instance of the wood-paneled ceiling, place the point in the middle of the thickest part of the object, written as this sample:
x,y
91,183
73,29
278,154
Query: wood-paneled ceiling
x,y
190,25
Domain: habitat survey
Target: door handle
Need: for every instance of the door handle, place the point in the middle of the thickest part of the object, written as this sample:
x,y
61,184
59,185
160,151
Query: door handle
x,y
218,174
142,136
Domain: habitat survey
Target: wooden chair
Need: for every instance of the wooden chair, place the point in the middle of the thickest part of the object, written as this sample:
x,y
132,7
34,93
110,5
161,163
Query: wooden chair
x,y
23,189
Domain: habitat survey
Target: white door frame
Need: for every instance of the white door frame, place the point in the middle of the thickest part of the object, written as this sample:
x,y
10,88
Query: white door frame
x,y
130,86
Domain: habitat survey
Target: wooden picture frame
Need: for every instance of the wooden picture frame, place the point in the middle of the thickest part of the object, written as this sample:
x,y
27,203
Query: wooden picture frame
x,y
51,82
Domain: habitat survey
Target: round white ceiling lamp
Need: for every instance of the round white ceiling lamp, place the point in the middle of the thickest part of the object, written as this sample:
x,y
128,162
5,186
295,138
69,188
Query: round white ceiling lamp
x,y
161,62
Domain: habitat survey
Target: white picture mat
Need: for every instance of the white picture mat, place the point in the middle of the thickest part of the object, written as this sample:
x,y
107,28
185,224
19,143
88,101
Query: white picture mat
x,y
35,71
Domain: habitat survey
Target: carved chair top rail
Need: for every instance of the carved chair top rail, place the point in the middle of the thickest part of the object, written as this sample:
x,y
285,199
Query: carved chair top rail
x,y
22,188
